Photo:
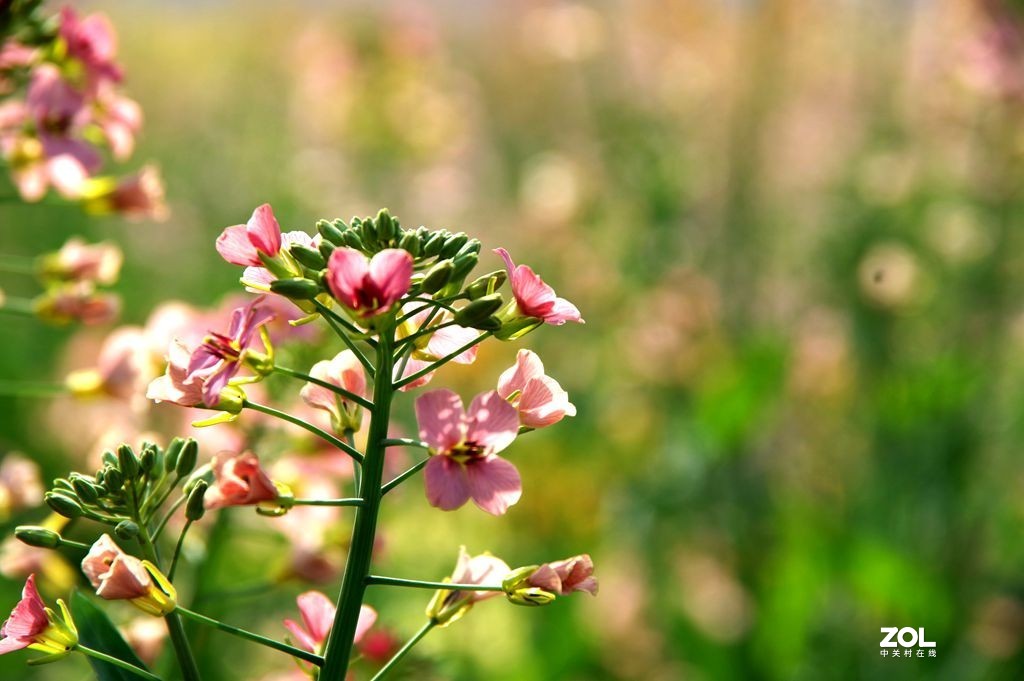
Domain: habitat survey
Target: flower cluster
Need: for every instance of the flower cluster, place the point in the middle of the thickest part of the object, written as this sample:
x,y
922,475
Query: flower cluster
x,y
64,112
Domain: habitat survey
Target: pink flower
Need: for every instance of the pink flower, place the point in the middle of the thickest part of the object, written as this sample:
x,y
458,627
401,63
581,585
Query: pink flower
x,y
449,605
78,302
432,347
538,398
535,298
175,385
369,287
317,618
139,196
258,278
92,42
115,574
27,622
78,261
120,119
238,480
562,577
55,106
243,244
123,366
220,356
346,372
464,462
20,484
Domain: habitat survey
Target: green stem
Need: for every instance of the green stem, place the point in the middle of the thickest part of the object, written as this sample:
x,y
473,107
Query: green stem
x,y
420,584
339,643
350,396
326,502
255,638
402,477
26,389
18,265
386,669
22,307
170,512
334,321
444,360
177,550
110,659
343,446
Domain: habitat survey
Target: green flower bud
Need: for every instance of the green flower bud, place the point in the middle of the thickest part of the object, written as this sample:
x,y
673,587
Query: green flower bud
x,y
172,453
410,242
148,459
452,245
368,231
437,276
194,508
433,245
113,479
127,462
297,288
310,257
464,264
34,535
353,240
187,459
126,529
109,458
472,247
326,248
330,232
479,310
486,284
63,505
62,483
85,490
387,227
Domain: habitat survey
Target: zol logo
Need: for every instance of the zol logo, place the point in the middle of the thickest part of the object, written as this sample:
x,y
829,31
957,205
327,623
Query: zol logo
x,y
910,639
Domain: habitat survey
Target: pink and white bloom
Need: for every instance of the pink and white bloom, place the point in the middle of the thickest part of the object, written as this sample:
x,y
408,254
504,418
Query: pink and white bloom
x,y
20,484
317,613
115,574
538,398
78,302
123,366
138,196
176,385
220,357
369,287
80,261
536,299
258,278
346,372
562,577
33,625
432,347
120,119
449,605
243,244
238,480
464,445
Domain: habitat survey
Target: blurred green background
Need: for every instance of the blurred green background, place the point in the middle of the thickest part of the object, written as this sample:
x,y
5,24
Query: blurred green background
x,y
794,229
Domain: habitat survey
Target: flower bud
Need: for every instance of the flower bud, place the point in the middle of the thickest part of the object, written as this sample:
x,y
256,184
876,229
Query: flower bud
x,y
113,479
309,257
194,508
330,232
486,284
410,242
172,453
62,483
353,240
34,535
387,226
296,288
127,462
437,276
63,505
326,248
148,458
109,458
464,264
85,490
126,529
452,245
433,245
471,247
187,459
478,311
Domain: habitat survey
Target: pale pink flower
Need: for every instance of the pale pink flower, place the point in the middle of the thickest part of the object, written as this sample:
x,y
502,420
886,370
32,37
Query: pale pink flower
x,y
91,40
120,119
55,106
80,261
28,620
238,480
146,636
115,574
177,385
78,302
432,347
464,445
449,605
317,612
535,298
220,356
258,279
20,484
538,398
14,55
562,577
369,287
346,372
139,196
123,366
243,244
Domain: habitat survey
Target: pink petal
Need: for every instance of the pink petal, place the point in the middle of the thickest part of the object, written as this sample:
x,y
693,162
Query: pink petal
x,y
446,483
543,403
527,366
414,366
11,643
317,613
563,311
391,271
263,230
301,637
494,484
367,616
67,175
346,270
234,246
445,341
28,617
493,422
440,414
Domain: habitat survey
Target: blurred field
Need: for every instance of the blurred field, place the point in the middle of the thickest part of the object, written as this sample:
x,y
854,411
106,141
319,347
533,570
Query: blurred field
x,y
795,231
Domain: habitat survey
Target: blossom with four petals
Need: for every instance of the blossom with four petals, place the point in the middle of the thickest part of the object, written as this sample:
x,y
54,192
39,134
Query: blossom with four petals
x,y
243,244
33,625
344,371
317,613
369,287
536,299
538,398
238,480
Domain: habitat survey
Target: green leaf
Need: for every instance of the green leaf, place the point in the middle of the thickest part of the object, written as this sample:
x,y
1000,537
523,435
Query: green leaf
x,y
96,631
